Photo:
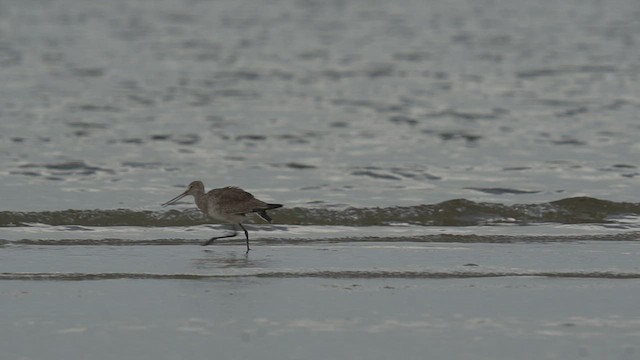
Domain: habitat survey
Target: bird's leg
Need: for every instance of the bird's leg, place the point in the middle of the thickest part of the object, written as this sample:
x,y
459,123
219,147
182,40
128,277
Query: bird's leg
x,y
246,234
221,237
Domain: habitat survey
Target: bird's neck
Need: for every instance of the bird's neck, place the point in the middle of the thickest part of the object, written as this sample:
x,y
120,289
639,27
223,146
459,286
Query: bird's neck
x,y
201,201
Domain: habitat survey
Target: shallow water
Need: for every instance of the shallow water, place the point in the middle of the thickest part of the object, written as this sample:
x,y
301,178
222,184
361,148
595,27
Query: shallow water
x,y
322,300
325,319
459,178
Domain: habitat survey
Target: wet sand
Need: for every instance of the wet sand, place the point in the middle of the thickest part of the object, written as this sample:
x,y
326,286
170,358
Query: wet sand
x,y
321,301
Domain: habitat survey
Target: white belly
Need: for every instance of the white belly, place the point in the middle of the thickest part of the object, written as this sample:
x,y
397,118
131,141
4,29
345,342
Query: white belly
x,y
214,213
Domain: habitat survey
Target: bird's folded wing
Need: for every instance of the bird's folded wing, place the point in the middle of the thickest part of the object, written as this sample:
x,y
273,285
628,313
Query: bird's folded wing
x,y
233,200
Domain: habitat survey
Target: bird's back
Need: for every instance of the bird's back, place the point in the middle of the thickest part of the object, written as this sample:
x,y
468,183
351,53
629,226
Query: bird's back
x,y
233,200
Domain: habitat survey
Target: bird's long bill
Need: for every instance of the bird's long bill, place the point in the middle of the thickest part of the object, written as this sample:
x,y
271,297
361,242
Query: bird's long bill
x,y
175,199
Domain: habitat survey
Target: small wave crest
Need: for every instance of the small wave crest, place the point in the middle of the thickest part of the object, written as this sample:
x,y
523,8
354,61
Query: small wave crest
x,y
387,240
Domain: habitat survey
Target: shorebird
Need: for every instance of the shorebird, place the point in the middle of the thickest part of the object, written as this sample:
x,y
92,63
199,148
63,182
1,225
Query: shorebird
x,y
230,204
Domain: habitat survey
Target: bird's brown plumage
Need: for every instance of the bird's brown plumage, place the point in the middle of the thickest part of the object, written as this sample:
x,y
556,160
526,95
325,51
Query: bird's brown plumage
x,y
233,200
229,204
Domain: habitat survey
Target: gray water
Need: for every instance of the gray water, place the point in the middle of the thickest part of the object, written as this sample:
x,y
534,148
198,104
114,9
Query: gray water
x,y
313,103
403,137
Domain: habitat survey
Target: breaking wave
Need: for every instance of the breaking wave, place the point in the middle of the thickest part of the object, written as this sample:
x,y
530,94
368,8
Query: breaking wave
x,y
458,212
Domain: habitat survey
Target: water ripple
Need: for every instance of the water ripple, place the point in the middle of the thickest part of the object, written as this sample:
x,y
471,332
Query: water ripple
x,y
327,274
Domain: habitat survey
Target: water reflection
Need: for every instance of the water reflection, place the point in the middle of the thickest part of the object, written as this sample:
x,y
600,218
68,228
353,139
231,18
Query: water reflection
x,y
214,259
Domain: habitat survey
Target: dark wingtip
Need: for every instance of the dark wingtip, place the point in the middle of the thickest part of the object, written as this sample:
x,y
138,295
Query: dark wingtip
x,y
273,206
